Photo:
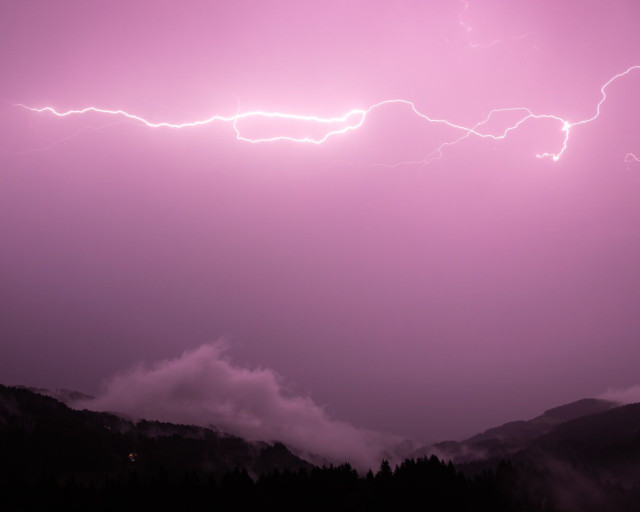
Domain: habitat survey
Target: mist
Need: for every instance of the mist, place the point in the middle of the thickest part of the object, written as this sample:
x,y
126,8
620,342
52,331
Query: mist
x,y
203,387
628,395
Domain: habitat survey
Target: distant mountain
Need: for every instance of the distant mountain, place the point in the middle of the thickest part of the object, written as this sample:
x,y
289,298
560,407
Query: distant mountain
x,y
586,463
583,456
574,410
606,445
41,434
515,436
66,396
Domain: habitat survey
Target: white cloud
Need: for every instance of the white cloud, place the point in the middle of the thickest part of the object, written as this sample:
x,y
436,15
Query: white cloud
x,y
202,387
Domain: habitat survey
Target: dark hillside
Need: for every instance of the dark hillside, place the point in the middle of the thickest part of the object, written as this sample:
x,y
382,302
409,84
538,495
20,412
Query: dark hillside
x,y
39,433
56,458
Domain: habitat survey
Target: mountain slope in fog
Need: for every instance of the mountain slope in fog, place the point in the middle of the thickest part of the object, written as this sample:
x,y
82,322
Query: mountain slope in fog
x,y
515,436
40,434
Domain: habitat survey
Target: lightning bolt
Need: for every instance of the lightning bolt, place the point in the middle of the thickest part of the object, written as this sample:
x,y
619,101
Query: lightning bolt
x,y
355,119
631,159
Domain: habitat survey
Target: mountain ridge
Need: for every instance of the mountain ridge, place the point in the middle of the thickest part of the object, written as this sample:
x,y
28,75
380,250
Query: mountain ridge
x,y
39,430
513,436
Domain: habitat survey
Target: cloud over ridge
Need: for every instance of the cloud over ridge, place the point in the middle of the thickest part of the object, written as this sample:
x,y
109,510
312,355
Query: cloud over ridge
x,y
629,395
202,387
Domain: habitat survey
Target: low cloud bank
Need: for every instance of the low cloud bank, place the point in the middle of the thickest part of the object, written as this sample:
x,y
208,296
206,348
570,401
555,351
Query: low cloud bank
x,y
202,387
630,395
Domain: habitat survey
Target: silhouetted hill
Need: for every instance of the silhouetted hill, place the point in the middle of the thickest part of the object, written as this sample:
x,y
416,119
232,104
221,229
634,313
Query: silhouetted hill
x,y
56,458
39,433
543,423
515,436
606,445
66,396
587,462
577,409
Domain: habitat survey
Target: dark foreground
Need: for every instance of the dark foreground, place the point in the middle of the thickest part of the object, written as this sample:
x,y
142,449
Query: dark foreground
x,y
55,458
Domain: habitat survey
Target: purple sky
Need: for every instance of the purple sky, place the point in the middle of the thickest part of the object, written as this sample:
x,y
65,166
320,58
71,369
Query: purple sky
x,y
429,301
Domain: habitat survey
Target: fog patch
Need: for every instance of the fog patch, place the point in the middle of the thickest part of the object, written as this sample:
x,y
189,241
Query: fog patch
x,y
203,387
630,395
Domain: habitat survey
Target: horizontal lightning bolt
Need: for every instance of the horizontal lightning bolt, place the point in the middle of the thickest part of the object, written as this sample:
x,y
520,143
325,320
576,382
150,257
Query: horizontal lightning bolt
x,y
355,118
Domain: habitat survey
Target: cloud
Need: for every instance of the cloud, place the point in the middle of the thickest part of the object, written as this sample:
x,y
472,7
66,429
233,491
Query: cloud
x,y
202,387
630,395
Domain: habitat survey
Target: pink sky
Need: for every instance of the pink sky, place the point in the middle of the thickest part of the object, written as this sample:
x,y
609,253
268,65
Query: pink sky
x,y
429,301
